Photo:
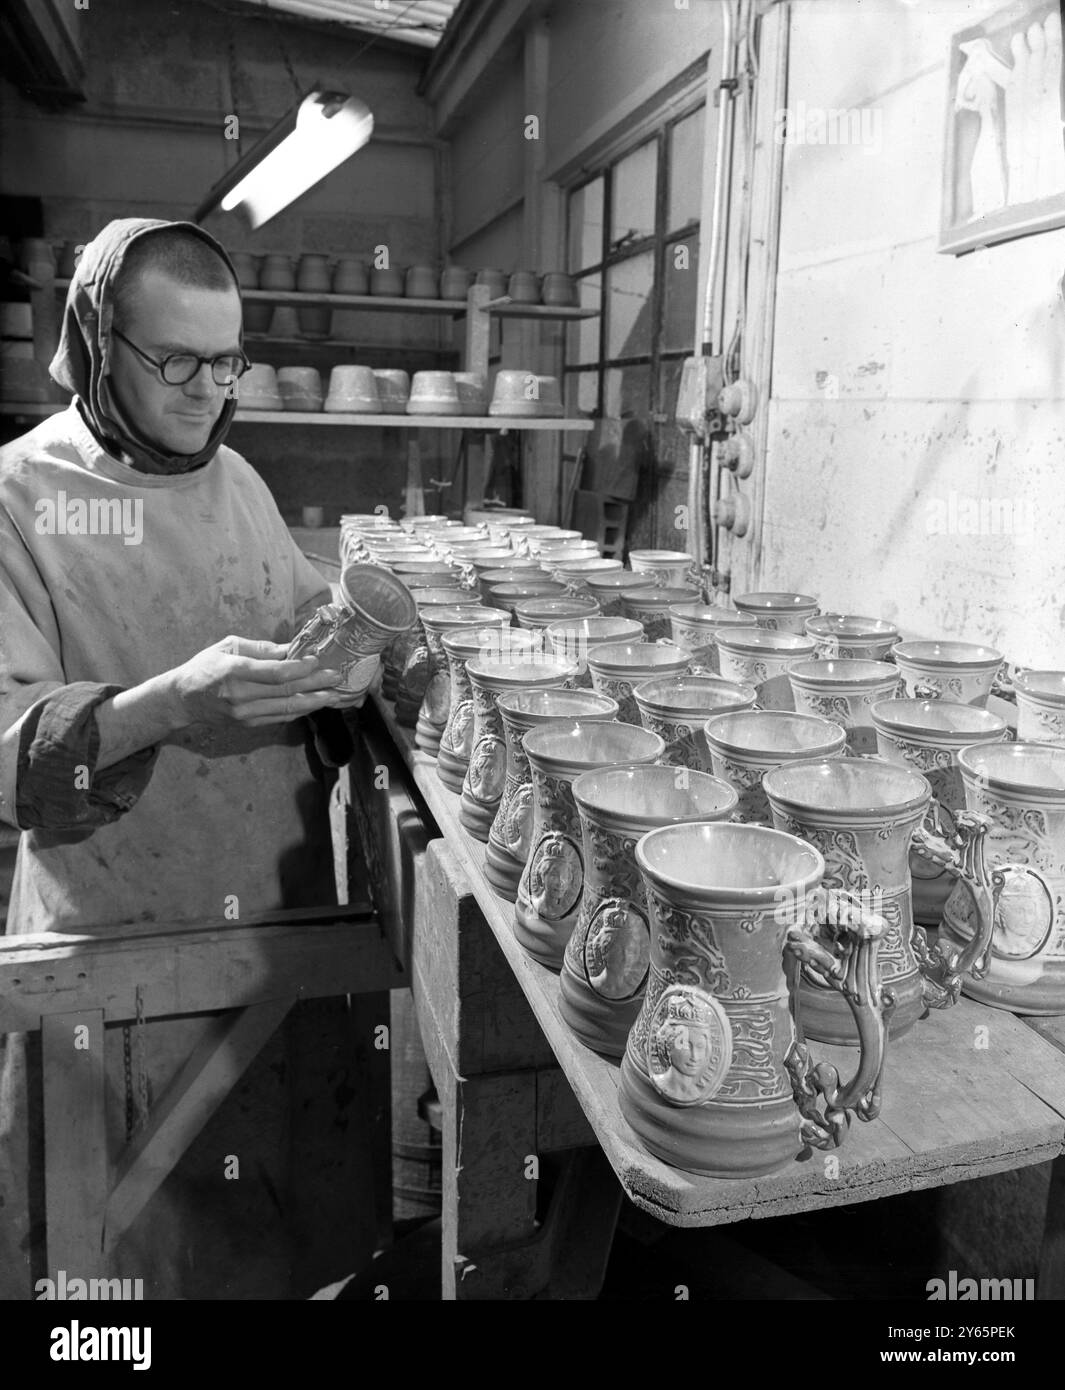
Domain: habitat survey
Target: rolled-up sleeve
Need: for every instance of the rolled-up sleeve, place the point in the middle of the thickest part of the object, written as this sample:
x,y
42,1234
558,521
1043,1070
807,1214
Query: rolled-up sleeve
x,y
49,740
58,786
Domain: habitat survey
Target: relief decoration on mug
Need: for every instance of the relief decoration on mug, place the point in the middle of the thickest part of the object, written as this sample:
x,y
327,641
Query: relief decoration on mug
x,y
487,769
555,877
689,1046
616,950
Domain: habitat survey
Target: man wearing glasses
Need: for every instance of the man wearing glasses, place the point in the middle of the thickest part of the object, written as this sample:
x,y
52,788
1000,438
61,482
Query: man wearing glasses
x,y
154,755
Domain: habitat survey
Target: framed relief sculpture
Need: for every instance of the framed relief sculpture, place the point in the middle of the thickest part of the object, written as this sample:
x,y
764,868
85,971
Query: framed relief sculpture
x,y
1004,165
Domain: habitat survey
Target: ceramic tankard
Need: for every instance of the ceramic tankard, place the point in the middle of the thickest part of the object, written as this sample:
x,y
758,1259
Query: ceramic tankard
x,y
677,707
374,608
962,671
716,1076
490,677
510,837
605,967
1020,787
460,645
862,814
436,701
927,735
549,894
1040,706
844,689
747,744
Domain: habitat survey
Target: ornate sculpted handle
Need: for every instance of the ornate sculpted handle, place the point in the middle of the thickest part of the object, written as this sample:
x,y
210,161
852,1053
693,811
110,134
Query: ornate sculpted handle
x,y
961,851
839,940
1003,683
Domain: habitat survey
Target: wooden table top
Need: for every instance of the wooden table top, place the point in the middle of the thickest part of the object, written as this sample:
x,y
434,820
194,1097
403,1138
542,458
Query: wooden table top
x,y
971,1090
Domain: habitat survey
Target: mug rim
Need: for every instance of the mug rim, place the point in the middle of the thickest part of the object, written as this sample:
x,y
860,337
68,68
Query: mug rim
x,y
623,814
766,894
860,814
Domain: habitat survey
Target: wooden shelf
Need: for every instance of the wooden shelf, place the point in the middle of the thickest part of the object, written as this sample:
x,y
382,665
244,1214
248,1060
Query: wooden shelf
x,y
951,1111
303,417
430,422
504,307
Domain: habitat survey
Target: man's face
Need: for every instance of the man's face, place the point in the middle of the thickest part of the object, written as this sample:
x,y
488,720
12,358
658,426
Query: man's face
x,y
169,317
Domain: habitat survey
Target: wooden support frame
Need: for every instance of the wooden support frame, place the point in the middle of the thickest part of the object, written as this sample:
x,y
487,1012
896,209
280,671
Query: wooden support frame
x,y
69,985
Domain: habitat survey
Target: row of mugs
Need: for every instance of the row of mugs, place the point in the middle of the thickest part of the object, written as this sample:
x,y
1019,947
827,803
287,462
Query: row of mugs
x,y
512,691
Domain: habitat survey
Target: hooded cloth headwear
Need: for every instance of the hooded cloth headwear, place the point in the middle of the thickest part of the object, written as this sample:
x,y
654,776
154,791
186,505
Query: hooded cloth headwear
x,y
82,359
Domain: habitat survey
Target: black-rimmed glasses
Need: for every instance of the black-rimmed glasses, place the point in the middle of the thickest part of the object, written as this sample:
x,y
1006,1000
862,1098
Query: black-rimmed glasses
x,y
180,367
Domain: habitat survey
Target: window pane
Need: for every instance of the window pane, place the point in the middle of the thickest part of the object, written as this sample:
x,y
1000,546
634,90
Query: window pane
x,y
626,392
680,287
686,170
668,385
632,212
586,225
582,337
629,306
581,393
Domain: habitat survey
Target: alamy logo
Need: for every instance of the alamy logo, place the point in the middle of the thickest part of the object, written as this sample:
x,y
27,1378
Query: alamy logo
x,y
800,124
969,1290
77,1343
959,515
91,516
62,1289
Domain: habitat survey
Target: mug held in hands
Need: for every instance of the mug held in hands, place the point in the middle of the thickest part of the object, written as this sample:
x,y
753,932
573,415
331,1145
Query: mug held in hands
x,y
326,635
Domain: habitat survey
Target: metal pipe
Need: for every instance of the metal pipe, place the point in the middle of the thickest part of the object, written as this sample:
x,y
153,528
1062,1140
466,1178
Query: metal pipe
x,y
703,470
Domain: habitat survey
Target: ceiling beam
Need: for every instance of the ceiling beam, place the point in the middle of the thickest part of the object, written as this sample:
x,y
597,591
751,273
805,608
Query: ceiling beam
x,y
479,33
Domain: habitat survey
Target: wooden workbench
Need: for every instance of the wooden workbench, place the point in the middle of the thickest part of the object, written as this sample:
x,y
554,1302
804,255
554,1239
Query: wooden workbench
x,y
971,1091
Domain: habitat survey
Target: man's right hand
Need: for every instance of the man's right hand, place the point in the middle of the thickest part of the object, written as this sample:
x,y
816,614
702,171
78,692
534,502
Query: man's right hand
x,y
242,681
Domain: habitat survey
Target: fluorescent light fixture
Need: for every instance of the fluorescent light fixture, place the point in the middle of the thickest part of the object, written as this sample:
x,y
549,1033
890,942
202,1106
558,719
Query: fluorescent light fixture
x,y
326,129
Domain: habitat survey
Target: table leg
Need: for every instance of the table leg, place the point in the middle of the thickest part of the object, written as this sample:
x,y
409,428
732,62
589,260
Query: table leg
x,y
75,1143
1050,1283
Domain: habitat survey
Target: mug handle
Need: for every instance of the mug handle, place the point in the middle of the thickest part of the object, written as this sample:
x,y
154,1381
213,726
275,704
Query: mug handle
x,y
1002,684
839,938
962,852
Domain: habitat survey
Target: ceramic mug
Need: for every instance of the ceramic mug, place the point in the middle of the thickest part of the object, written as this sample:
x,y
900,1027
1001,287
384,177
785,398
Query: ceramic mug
x,y
928,735
716,1076
618,667
962,671
436,701
604,970
677,708
651,607
510,837
862,814
1020,789
845,689
574,638
758,657
693,625
610,588
747,744
1040,706
776,611
372,610
410,655
461,645
549,893
544,612
848,635
482,787
665,567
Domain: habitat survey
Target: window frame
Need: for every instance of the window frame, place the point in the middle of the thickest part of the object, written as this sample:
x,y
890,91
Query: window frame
x,y
660,242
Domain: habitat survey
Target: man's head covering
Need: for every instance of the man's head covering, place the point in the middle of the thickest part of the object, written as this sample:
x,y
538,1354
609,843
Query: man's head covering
x,y
80,364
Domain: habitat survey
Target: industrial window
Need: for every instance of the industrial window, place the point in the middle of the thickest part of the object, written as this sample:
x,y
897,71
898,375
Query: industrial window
x,y
633,246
